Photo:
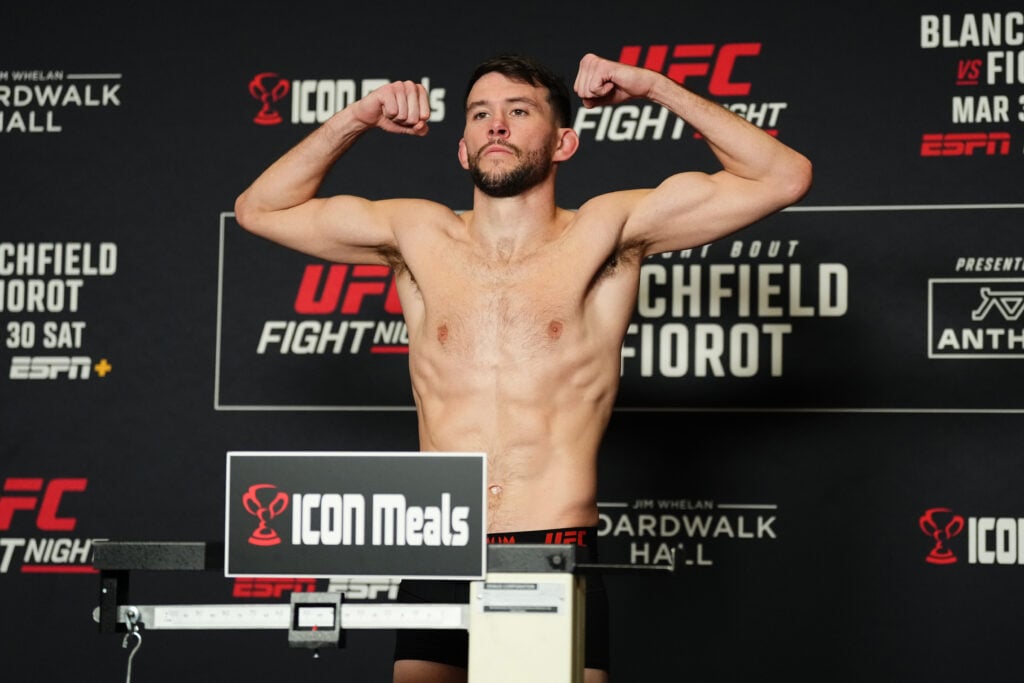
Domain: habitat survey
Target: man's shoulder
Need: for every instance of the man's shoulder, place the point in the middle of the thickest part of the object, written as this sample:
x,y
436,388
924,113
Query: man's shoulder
x,y
612,204
606,212
418,204
419,222
418,213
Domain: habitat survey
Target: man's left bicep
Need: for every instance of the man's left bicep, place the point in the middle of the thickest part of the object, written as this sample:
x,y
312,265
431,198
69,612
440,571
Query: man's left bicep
x,y
665,217
692,209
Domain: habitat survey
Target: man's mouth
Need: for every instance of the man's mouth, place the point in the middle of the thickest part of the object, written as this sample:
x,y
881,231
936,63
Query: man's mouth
x,y
498,148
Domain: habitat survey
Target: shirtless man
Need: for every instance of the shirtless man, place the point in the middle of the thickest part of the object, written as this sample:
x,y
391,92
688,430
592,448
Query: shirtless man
x,y
516,310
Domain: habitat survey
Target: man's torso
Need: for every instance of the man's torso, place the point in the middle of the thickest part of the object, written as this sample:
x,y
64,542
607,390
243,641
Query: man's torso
x,y
517,355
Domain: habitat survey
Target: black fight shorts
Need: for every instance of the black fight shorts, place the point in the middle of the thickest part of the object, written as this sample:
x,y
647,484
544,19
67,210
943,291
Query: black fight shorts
x,y
451,646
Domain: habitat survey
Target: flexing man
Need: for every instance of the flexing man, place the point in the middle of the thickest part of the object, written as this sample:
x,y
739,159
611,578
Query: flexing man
x,y
516,310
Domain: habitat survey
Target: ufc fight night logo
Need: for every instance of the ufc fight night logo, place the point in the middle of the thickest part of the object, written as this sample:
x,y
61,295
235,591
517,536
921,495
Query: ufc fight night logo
x,y
29,495
41,504
705,67
702,59
338,296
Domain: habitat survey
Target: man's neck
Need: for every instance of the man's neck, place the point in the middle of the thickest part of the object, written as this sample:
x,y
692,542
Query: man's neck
x,y
514,224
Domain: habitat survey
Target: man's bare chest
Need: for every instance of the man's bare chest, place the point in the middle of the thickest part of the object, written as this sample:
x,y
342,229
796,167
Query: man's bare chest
x,y
460,294
505,305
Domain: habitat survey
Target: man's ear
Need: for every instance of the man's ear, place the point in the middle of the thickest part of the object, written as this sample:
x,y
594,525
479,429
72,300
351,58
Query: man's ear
x,y
568,143
463,154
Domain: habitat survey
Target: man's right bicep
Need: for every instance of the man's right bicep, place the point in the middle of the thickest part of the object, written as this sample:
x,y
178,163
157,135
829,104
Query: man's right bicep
x,y
354,229
344,229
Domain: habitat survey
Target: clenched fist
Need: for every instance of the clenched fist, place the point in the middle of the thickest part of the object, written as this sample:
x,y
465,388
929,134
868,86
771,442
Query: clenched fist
x,y
602,81
398,107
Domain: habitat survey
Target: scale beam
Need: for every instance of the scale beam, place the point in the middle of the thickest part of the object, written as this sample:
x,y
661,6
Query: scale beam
x,y
281,616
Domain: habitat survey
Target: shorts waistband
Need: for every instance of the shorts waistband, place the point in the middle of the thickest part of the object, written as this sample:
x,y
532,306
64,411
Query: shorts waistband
x,y
583,537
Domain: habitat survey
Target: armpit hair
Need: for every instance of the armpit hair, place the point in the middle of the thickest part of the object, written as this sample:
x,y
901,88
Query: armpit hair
x,y
626,253
394,259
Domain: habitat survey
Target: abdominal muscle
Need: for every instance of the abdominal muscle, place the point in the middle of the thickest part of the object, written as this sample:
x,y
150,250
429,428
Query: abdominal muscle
x,y
539,415
519,358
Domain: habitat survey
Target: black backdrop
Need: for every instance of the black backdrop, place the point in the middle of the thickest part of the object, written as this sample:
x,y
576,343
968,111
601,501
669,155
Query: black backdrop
x,y
792,488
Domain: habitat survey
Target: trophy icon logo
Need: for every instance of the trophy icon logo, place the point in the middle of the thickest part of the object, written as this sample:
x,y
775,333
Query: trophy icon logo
x,y
268,88
941,525
256,503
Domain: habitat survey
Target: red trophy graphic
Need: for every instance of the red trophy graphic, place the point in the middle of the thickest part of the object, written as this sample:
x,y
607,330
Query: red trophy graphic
x,y
941,533
261,89
264,535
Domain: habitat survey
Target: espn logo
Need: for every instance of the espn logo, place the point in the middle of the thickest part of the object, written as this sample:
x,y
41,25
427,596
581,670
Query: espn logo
x,y
271,588
965,144
50,367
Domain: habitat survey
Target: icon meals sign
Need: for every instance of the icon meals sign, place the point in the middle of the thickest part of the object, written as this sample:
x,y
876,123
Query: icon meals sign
x,y
401,515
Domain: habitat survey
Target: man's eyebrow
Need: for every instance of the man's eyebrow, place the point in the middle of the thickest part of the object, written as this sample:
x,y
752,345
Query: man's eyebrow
x,y
508,100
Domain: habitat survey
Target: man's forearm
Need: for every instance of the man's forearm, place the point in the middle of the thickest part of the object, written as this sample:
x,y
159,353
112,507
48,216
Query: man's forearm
x,y
296,176
398,107
742,148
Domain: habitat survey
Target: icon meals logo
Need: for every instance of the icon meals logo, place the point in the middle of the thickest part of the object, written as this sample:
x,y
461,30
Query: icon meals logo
x,y
268,88
264,510
341,519
313,101
941,525
990,540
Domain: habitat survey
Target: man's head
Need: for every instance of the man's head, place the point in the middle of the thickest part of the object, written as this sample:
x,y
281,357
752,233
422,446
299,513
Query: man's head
x,y
517,125
527,70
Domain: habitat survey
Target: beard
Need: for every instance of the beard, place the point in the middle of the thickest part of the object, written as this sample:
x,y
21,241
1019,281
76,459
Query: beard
x,y
532,169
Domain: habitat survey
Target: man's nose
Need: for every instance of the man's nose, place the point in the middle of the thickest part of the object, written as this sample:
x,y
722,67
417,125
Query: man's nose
x,y
498,129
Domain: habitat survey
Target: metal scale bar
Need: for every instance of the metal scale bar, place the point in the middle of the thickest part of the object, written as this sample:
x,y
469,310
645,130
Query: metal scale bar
x,y
272,616
525,618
